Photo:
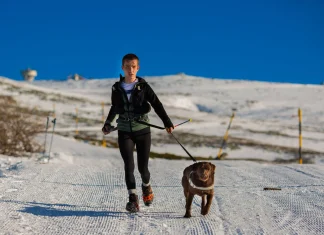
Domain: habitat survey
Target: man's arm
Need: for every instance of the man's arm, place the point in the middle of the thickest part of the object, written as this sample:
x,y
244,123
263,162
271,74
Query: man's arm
x,y
158,107
111,116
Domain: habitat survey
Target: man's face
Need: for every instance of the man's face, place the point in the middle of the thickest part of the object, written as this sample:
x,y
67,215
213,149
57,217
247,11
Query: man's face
x,y
130,68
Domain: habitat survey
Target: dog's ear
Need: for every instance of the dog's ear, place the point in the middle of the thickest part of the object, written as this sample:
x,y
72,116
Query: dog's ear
x,y
213,167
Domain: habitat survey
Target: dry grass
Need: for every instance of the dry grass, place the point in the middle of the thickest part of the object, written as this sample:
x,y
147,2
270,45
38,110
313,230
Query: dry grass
x,y
50,96
194,140
18,128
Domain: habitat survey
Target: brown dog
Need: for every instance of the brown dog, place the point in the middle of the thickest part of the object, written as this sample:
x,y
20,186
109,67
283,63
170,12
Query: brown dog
x,y
198,179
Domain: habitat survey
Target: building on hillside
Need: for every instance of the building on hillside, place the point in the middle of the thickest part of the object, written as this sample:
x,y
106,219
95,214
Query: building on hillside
x,y
28,74
182,75
76,77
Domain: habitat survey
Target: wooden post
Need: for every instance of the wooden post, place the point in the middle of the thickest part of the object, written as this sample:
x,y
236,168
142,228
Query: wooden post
x,y
103,111
54,115
76,121
225,136
300,136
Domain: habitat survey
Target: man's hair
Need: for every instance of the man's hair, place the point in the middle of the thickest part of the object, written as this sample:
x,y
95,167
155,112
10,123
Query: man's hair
x,y
130,56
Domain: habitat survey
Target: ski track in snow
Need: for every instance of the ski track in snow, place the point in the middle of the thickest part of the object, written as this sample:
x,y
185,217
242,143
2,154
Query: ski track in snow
x,y
89,197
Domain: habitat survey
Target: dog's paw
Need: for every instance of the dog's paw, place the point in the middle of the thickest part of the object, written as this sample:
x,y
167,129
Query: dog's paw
x,y
204,212
187,215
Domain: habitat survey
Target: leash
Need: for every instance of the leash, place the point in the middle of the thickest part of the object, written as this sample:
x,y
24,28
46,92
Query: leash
x,y
184,149
159,127
162,128
141,122
149,124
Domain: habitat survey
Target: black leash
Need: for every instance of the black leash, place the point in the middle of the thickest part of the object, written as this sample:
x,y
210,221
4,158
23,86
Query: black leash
x,y
184,149
141,122
149,124
162,128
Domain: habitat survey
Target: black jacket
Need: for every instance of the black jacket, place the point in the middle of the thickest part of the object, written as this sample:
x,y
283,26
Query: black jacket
x,y
141,100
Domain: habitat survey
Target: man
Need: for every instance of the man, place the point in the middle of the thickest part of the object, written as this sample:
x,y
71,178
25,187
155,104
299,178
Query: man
x,y
131,99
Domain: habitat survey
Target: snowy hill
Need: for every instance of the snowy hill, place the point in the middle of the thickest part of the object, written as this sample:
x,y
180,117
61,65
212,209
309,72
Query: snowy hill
x,y
266,119
82,191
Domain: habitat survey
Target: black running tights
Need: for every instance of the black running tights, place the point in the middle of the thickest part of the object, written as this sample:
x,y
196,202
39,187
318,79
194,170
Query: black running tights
x,y
127,141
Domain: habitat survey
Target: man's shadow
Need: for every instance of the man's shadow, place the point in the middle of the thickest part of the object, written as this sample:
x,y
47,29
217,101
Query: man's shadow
x,y
49,210
54,212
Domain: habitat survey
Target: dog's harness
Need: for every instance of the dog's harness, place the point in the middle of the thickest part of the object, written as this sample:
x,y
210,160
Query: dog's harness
x,y
200,188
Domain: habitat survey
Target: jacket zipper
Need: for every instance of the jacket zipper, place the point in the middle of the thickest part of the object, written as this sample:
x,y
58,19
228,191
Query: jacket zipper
x,y
125,95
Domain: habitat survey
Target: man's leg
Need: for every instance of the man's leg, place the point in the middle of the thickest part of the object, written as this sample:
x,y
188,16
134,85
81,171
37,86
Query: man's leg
x,y
143,147
126,147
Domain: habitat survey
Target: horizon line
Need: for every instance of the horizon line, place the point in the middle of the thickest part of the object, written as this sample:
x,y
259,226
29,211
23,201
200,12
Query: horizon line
x,y
166,75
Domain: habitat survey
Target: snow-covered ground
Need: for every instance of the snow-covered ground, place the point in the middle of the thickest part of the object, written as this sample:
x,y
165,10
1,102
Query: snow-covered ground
x,y
82,191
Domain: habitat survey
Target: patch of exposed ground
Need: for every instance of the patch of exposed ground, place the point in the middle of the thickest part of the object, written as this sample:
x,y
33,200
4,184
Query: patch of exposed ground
x,y
194,140
49,96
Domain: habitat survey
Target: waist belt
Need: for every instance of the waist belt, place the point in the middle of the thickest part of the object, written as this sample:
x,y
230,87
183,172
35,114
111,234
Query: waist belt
x,y
137,119
131,119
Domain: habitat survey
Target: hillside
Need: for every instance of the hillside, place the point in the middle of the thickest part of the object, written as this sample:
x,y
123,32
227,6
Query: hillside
x,y
266,119
81,190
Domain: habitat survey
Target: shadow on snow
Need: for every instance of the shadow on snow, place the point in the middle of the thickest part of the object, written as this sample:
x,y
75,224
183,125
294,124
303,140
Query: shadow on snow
x,y
48,209
53,212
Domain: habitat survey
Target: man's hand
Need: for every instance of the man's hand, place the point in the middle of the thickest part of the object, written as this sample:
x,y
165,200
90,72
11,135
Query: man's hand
x,y
105,132
169,129
107,129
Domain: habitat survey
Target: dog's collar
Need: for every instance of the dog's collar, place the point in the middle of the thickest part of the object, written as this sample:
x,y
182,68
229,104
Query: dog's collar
x,y
200,188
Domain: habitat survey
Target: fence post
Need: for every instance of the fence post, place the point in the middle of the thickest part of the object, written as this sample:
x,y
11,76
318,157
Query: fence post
x,y
104,142
102,111
225,136
300,136
54,115
76,121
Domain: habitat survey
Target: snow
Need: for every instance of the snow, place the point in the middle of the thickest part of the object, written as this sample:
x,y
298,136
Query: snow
x,y
81,190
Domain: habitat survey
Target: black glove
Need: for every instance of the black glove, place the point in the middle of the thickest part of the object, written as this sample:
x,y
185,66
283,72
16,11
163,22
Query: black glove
x,y
107,128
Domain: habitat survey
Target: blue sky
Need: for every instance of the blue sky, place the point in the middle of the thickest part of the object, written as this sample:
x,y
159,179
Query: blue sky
x,y
277,40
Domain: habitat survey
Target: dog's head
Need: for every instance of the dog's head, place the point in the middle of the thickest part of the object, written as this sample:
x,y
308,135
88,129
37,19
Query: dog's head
x,y
204,170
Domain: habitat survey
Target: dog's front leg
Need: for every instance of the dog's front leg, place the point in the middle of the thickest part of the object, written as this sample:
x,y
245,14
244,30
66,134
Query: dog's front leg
x,y
188,205
203,203
206,208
